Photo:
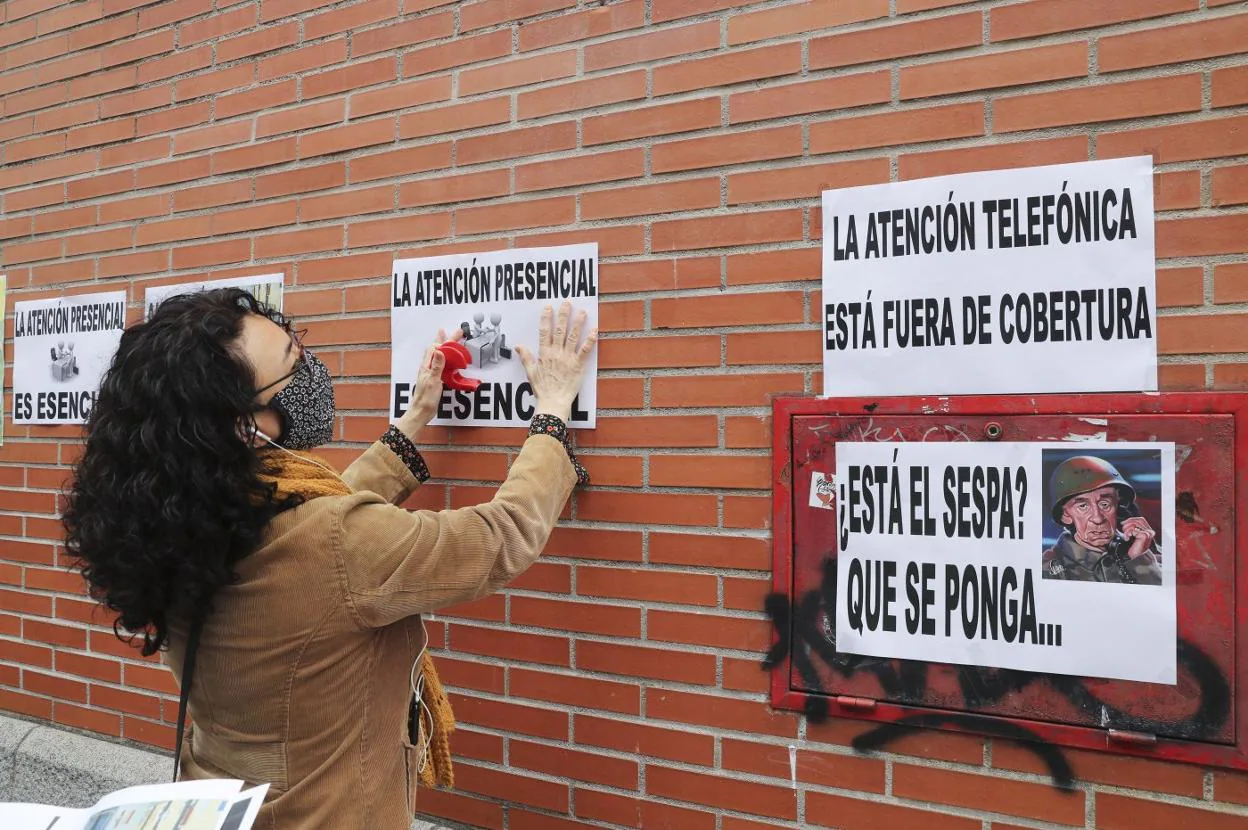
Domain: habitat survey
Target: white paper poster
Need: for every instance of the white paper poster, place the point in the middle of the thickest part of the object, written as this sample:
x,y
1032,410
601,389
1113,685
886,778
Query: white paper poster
x,y
61,350
1039,279
496,299
1028,556
266,288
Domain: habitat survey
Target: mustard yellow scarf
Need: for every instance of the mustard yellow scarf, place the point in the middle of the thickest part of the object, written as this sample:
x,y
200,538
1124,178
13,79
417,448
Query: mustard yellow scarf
x,y
300,474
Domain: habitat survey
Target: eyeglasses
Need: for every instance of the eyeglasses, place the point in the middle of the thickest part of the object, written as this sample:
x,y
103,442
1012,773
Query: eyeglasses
x,y
296,345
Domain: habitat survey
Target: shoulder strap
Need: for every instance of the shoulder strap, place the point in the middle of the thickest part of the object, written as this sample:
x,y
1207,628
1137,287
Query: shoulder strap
x,y
188,672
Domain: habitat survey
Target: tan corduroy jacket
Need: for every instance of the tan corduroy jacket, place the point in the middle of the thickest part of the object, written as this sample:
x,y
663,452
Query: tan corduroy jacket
x,y
302,677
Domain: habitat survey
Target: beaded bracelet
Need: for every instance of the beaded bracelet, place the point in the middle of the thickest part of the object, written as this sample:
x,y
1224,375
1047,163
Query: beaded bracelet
x,y
403,447
557,429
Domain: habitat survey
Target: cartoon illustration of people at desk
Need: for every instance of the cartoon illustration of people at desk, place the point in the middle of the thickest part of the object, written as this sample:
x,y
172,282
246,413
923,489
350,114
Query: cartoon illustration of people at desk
x,y
64,364
486,344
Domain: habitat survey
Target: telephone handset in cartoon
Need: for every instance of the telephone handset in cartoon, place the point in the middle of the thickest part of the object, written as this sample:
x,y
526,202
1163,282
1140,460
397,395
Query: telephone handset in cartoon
x,y
1117,552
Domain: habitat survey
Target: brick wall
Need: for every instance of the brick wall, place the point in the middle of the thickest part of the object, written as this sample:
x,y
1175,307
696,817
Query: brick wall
x,y
617,684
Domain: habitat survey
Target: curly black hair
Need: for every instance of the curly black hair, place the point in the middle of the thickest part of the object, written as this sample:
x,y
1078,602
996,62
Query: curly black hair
x,y
167,496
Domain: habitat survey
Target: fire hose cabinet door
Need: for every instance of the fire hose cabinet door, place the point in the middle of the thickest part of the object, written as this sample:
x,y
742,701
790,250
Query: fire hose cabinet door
x,y
1196,718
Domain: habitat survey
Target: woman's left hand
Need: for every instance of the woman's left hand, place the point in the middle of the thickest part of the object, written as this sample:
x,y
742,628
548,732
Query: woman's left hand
x,y
427,390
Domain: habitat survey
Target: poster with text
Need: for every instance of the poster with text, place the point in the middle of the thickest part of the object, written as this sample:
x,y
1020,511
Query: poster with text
x,y
61,350
1040,557
266,288
496,300
1039,279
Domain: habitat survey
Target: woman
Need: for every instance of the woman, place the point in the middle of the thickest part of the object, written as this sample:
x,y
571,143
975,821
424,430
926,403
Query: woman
x,y
194,507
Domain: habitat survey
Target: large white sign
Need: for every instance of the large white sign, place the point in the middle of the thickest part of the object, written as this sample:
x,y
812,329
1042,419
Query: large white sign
x,y
1041,557
1033,280
61,350
266,288
496,300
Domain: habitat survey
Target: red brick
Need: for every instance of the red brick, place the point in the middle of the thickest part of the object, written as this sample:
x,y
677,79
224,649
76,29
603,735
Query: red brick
x,y
258,42
217,25
70,715
399,162
742,796
562,762
1136,773
458,807
177,118
704,629
398,35
652,431
131,102
1214,138
1015,798
482,13
166,13
664,119
647,585
825,95
212,253
1202,236
1230,185
721,150
608,620
903,127
538,721
526,141
637,812
278,9
649,199
577,95
355,76
645,740
808,181
719,231
1230,283
666,43
826,810
35,197
401,96
731,68
1042,17
511,787
349,18
1231,787
714,551
179,63
206,138
461,187
801,17
512,645
1173,43
404,229
232,78
19,151
555,211
582,25
301,118
993,157
23,704
1022,66
572,690
636,661
72,637
70,116
1106,102
454,118
1119,812
643,508
350,137
921,37
845,771
1230,86
580,170
55,687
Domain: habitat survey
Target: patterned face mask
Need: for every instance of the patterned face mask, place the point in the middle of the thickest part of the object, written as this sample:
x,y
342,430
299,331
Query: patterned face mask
x,y
306,406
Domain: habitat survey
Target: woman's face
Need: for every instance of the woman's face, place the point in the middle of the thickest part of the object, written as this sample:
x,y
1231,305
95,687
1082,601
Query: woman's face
x,y
274,356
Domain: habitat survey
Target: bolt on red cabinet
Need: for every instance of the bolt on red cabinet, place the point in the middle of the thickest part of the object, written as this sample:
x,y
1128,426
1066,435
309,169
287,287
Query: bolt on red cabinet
x,y
1197,720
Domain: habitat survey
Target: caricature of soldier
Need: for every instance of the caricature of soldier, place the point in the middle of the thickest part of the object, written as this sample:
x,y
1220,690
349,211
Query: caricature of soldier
x,y
1104,539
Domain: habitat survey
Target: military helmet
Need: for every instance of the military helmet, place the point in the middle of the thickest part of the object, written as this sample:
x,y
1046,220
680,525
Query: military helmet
x,y
1083,474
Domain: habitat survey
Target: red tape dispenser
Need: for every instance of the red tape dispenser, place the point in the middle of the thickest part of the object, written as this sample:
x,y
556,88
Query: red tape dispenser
x,y
457,358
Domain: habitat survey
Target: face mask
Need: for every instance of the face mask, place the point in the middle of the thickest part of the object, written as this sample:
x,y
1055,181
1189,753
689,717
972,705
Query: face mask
x,y
306,406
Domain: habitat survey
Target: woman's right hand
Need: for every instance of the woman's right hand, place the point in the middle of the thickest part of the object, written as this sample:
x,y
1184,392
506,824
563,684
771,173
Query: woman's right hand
x,y
558,369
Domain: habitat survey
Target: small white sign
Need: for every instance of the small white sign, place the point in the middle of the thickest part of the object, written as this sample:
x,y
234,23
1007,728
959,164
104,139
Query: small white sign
x,y
1042,557
61,350
496,300
1039,279
266,288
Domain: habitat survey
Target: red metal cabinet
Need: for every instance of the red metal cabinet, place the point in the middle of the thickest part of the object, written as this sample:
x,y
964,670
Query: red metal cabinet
x,y
1196,720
